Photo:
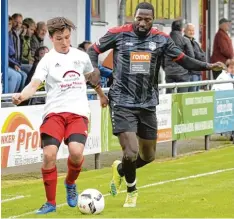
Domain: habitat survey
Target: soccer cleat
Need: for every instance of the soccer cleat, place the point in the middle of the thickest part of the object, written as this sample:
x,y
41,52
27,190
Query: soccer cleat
x,y
72,195
46,208
116,179
131,199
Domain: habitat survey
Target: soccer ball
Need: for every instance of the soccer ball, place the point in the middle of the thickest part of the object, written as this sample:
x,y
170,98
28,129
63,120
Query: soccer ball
x,y
91,201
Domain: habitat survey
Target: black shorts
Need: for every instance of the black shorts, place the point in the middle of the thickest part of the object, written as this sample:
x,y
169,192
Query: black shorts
x,y
141,121
47,140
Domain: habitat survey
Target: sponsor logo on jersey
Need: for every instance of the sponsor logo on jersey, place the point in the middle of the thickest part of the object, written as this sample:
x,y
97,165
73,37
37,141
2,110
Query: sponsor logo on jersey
x,y
140,57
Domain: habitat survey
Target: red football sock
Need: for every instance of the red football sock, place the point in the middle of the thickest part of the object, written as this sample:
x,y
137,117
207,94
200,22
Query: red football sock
x,y
73,171
50,183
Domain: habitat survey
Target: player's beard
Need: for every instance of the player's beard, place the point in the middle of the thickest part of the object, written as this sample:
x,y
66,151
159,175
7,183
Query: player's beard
x,y
141,33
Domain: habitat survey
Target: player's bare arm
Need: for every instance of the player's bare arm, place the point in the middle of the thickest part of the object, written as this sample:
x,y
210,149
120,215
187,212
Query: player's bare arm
x,y
27,92
94,79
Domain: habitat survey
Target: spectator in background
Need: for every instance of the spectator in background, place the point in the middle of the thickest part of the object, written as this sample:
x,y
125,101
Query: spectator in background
x,y
84,45
105,73
29,29
14,80
226,75
198,53
38,37
16,77
175,72
39,54
222,47
17,20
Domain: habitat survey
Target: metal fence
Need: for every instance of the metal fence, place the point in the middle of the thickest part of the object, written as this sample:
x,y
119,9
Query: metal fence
x,y
207,84
175,86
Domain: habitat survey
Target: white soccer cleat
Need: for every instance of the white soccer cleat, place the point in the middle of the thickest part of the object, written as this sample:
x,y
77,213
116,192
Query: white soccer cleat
x,y
131,199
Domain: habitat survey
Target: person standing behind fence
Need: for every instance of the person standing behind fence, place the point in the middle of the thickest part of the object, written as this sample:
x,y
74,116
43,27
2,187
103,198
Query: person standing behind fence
x,y
222,47
198,52
175,72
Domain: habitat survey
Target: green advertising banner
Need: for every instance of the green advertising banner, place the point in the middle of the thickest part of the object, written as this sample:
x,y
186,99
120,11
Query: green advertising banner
x,y
192,114
108,141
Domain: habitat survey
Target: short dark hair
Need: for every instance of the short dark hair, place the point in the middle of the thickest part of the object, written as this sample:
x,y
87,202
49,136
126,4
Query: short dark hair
x,y
28,22
59,24
14,16
82,45
145,5
177,25
36,56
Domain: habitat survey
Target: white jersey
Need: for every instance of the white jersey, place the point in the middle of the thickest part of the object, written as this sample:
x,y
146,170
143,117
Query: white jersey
x,y
225,86
65,81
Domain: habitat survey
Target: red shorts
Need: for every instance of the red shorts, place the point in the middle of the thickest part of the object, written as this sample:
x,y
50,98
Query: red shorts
x,y
61,125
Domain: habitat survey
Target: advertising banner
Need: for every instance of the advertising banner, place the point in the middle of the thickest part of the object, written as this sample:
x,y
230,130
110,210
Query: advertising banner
x,y
224,111
192,114
163,113
20,137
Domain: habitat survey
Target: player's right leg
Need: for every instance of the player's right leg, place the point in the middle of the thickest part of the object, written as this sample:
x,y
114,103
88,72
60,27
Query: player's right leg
x,y
147,135
52,132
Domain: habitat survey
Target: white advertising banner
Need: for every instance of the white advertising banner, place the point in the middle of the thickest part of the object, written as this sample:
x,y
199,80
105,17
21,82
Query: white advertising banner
x,y
20,137
163,112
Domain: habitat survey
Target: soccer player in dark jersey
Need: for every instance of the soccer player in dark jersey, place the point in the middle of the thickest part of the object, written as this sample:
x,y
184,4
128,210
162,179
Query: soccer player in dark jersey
x,y
138,49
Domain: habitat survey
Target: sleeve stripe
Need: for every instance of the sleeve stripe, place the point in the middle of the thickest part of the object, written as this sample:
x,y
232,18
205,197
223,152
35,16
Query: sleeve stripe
x,y
96,48
179,57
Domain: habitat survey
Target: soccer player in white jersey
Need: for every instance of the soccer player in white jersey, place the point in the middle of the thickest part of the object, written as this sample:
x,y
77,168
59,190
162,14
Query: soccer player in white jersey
x,y
65,70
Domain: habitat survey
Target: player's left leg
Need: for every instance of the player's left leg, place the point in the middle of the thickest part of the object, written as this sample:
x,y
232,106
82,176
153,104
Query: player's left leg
x,y
147,146
124,125
147,135
147,150
75,138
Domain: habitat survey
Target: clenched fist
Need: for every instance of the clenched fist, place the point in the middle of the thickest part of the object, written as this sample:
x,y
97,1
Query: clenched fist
x,y
104,101
17,98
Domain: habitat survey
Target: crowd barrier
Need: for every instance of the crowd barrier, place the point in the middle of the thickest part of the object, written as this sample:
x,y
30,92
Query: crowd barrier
x,y
180,116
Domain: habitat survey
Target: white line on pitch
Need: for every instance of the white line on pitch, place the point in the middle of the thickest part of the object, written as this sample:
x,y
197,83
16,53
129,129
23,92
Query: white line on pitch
x,y
150,185
14,198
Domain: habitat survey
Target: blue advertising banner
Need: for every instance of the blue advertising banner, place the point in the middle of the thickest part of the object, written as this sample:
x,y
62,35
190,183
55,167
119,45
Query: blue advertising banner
x,y
224,111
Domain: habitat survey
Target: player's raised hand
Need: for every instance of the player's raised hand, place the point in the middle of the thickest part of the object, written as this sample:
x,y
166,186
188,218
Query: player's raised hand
x,y
104,101
17,98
